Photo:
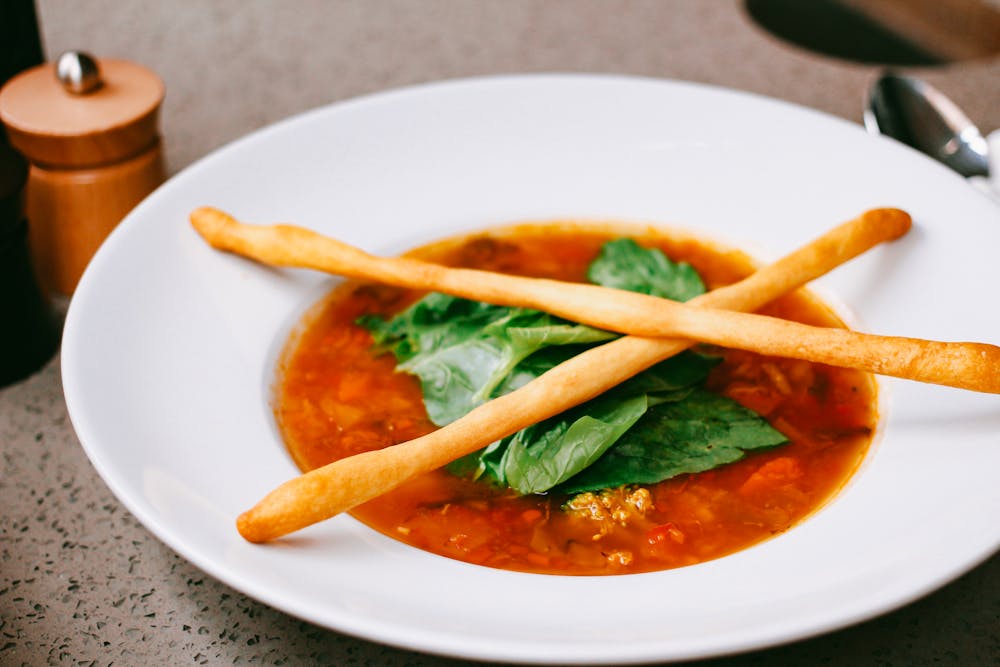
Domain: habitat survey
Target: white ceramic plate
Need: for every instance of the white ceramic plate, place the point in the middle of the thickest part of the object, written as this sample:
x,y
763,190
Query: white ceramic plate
x,y
169,350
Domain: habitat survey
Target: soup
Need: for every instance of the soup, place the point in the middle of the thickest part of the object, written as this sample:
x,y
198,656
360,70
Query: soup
x,y
337,396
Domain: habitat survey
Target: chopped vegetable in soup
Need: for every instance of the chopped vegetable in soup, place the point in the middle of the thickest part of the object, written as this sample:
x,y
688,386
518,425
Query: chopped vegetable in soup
x,y
706,454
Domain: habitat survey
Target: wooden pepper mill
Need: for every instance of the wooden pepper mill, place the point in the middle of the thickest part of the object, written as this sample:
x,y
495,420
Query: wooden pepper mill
x,y
90,130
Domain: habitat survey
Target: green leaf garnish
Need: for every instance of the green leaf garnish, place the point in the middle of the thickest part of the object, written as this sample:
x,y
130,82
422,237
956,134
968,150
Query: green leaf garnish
x,y
659,424
700,432
463,350
624,264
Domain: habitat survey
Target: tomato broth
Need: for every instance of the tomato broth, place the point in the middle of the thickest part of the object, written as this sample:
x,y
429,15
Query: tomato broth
x,y
336,397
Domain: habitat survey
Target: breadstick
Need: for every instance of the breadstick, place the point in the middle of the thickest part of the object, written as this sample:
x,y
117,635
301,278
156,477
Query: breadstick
x,y
341,485
965,365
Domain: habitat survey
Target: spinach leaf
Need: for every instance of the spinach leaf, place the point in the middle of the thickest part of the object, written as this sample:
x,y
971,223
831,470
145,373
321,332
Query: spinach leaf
x,y
463,350
536,364
466,352
659,424
541,456
625,264
546,454
701,432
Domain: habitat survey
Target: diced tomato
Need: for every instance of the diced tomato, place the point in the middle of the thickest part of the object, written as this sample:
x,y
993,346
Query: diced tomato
x,y
776,472
531,515
354,386
662,533
538,559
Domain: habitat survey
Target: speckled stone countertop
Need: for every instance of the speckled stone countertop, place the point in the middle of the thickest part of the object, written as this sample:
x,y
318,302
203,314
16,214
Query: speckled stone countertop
x,y
82,582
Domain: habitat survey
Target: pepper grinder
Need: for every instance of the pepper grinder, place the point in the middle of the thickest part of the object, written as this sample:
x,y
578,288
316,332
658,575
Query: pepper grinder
x,y
89,128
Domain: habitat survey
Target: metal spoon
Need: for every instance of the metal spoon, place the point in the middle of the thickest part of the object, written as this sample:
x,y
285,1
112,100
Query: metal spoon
x,y
919,115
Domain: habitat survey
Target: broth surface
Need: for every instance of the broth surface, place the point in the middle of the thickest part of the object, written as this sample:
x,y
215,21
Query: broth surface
x,y
335,397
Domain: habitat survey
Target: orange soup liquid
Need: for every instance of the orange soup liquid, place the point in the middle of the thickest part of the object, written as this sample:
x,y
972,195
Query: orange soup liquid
x,y
335,398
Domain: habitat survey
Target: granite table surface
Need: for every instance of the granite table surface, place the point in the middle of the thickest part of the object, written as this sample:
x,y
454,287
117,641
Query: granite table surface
x,y
82,582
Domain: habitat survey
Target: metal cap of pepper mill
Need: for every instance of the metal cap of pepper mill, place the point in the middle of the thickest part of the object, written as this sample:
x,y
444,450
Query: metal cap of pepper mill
x,y
78,72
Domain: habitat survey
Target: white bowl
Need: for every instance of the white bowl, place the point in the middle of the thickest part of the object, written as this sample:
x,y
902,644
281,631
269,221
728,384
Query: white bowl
x,y
169,350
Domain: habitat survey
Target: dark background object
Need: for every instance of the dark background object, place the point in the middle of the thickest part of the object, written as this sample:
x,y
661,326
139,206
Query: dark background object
x,y
831,28
22,48
20,36
30,332
22,44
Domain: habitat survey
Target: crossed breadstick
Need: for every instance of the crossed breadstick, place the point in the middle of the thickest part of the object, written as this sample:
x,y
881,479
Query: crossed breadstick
x,y
650,321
